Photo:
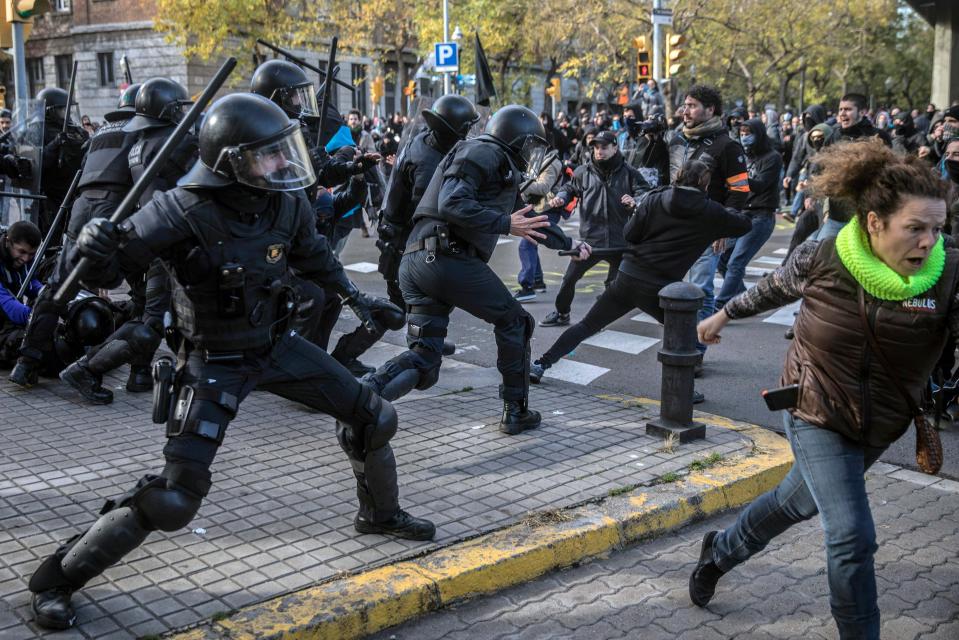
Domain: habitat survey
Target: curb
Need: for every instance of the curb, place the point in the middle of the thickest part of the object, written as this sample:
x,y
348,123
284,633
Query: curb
x,y
358,605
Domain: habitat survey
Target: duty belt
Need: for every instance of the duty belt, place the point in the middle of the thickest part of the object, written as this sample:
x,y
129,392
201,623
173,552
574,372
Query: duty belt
x,y
438,244
102,194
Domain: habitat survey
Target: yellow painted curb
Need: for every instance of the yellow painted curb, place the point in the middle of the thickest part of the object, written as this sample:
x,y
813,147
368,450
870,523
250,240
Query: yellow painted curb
x,y
358,605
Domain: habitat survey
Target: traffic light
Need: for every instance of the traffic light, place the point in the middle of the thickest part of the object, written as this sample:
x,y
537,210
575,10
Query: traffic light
x,y
410,89
554,90
6,25
24,10
644,69
674,53
377,89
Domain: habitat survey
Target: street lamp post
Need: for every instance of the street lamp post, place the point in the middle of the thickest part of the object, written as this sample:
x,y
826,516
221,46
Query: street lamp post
x,y
446,38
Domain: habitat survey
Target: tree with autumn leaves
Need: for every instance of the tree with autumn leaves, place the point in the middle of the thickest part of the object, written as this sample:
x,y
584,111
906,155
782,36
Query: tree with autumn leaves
x,y
758,50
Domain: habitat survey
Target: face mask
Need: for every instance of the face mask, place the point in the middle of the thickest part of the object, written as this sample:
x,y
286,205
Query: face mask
x,y
952,168
748,141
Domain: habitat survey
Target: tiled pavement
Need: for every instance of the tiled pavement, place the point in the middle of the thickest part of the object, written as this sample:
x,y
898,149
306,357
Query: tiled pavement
x,y
781,593
279,516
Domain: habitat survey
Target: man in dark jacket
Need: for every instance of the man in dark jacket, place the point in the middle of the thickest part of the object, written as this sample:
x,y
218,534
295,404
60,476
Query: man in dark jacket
x,y
18,248
643,146
607,189
853,123
815,114
704,137
764,165
906,138
667,234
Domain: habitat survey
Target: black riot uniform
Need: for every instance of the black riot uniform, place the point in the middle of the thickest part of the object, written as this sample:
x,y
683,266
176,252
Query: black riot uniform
x,y
104,181
448,121
231,232
62,154
465,209
158,108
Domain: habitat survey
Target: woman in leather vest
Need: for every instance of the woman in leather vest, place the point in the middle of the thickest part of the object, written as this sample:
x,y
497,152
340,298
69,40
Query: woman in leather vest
x,y
887,274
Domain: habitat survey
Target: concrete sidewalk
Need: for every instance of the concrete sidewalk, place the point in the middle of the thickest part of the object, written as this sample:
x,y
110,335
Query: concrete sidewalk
x,y
273,549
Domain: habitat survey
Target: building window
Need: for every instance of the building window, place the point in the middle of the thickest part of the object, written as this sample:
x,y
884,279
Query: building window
x,y
106,69
358,76
61,6
64,65
35,75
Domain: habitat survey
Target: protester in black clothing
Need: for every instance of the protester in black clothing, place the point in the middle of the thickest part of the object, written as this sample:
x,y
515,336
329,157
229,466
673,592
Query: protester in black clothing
x,y
643,146
853,123
670,229
906,138
607,189
813,115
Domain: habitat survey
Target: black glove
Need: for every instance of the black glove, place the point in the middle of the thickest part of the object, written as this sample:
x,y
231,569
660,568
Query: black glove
x,y
24,168
98,240
364,162
363,306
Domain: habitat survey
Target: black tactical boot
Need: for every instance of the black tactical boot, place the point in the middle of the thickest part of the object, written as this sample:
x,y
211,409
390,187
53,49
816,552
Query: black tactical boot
x,y
26,372
140,379
357,368
517,417
402,525
702,583
53,610
88,384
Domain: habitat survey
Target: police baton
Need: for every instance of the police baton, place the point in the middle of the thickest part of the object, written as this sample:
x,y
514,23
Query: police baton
x,y
600,252
64,206
71,285
66,116
21,196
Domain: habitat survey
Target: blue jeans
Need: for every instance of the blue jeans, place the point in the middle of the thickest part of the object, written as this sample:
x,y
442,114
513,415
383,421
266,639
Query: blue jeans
x,y
530,270
826,478
744,249
701,274
798,200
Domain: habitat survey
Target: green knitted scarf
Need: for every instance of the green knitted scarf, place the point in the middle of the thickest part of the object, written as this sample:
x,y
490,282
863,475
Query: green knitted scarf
x,y
875,276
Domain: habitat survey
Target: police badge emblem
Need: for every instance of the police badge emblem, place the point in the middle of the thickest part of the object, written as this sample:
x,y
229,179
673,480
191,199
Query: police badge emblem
x,y
274,253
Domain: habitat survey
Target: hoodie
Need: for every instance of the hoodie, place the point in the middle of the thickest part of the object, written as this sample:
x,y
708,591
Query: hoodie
x,y
860,130
764,165
774,130
813,115
670,229
907,139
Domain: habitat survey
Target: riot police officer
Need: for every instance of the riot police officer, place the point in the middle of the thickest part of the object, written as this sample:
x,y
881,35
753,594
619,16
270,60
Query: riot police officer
x,y
158,107
62,153
447,122
231,231
104,181
470,201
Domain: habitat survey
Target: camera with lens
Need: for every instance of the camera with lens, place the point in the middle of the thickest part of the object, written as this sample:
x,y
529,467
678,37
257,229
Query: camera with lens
x,y
654,124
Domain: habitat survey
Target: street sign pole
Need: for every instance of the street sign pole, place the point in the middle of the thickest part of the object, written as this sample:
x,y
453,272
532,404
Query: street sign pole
x,y
661,17
446,38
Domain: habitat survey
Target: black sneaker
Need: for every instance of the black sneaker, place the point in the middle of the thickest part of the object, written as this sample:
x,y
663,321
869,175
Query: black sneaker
x,y
555,319
140,379
518,417
52,609
25,373
402,525
698,398
790,334
536,372
539,287
702,583
86,383
524,295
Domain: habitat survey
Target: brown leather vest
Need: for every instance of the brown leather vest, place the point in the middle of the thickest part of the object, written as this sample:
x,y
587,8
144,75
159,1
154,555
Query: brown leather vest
x,y
842,385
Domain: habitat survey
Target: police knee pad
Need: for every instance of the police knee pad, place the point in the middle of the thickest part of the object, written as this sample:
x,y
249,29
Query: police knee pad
x,y
517,316
203,412
428,364
379,418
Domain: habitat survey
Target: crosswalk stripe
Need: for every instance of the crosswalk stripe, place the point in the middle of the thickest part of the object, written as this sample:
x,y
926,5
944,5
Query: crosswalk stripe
x,y
621,341
575,372
755,271
644,317
768,260
361,267
784,315
781,251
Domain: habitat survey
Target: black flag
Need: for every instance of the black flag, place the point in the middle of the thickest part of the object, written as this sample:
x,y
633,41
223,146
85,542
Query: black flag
x,y
484,78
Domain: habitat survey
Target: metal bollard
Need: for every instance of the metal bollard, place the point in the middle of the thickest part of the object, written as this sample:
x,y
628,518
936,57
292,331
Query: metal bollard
x,y
680,301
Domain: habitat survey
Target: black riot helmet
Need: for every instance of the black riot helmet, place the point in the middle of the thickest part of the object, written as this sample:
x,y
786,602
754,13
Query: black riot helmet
x,y
451,115
89,321
55,103
159,103
126,107
287,85
248,139
522,133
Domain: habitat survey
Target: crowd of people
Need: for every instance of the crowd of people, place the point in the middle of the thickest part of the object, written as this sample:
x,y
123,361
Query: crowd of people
x,y
231,258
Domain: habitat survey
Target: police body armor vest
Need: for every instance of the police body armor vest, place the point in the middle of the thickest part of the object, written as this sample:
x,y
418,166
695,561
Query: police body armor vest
x,y
145,149
402,196
106,163
236,305
498,193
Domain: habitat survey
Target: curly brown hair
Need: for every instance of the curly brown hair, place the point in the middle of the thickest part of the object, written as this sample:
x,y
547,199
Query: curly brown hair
x,y
869,176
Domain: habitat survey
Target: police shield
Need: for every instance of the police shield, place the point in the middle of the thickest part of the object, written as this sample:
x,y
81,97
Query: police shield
x,y
26,143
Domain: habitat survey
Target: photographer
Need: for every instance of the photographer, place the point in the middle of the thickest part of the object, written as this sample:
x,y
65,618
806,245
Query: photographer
x,y
643,146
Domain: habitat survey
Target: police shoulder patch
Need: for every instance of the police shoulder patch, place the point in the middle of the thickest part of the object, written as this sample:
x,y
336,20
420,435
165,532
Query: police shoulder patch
x,y
274,253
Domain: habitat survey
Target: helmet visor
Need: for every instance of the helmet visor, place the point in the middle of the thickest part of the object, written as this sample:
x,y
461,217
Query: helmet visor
x,y
175,110
278,164
531,155
299,101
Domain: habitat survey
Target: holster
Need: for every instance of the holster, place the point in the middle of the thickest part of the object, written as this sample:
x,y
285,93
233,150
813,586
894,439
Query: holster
x,y
164,372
